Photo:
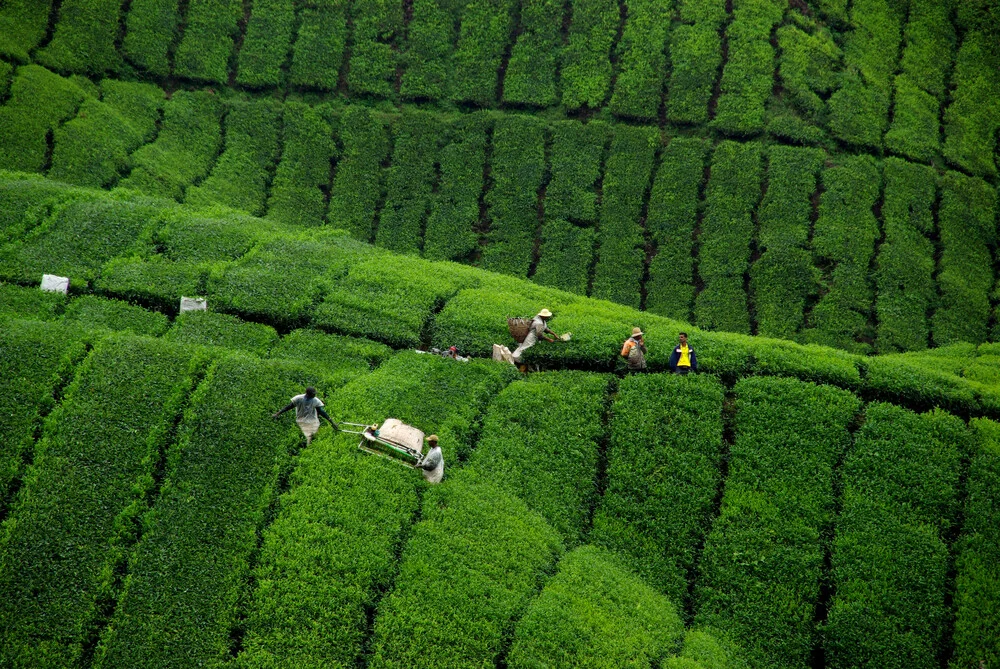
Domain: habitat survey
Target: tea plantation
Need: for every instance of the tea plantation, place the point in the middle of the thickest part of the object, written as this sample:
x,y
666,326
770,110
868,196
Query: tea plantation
x,y
809,188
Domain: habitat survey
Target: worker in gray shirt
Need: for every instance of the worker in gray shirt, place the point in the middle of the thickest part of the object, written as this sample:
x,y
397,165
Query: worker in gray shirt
x,y
432,463
308,408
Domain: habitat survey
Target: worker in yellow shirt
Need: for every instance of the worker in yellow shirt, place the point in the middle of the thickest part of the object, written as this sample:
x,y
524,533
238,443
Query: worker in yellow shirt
x,y
683,360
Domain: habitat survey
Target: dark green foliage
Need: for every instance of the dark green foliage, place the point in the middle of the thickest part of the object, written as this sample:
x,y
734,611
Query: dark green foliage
x,y
517,169
695,57
84,38
486,31
726,231
190,567
566,255
889,561
783,277
376,25
188,142
30,303
240,177
905,271
474,562
39,102
63,540
585,74
319,44
977,620
338,359
6,72
707,12
455,206
663,473
709,649
91,311
967,229
430,40
26,200
642,59
859,111
808,68
620,241
531,72
972,119
93,148
159,281
670,223
357,184
211,329
595,612
297,194
139,104
894,378
762,565
150,31
539,441
409,182
267,43
844,237
210,28
748,75
915,127
23,24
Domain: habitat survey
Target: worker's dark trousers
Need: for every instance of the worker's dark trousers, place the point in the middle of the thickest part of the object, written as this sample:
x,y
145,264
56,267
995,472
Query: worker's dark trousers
x,y
682,370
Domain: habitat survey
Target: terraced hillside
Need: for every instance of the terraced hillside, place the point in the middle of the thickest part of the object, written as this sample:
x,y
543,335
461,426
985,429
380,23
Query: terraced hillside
x,y
824,172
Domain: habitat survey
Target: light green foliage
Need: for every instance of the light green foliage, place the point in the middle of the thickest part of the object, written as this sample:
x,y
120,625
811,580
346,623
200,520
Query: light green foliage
x,y
211,329
23,24
539,441
210,28
95,312
297,194
376,26
762,565
30,303
267,43
430,39
531,71
695,57
566,255
93,148
39,102
642,59
844,237
808,68
26,200
726,232
84,38
585,72
904,275
972,119
338,359
188,142
620,240
783,277
486,31
594,612
710,649
707,12
150,30
357,184
319,44
139,104
663,473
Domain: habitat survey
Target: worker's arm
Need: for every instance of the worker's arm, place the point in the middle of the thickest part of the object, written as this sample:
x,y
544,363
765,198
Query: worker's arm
x,y
278,413
430,461
323,413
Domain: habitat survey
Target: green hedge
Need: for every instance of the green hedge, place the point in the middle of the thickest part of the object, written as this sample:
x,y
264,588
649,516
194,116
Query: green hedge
x,y
808,67
211,235
84,38
516,171
206,46
904,273
240,177
39,102
318,52
139,104
76,514
475,560
594,612
267,43
298,193
915,127
709,649
27,200
185,149
23,25
211,329
409,181
530,77
190,568
695,57
762,566
967,230
540,442
977,620
339,359
93,148
621,253
430,40
455,207
708,12
642,59
748,75
151,29
30,303
376,27
844,239
91,311
357,183
585,68
484,37
726,232
783,277
972,119
859,110
890,564
663,475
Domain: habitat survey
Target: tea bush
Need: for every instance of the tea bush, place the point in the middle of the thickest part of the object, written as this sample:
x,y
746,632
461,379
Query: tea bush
x,y
595,612
642,60
318,52
540,442
376,25
566,256
138,103
762,566
484,36
695,58
266,44
663,474
784,277
297,194
211,329
95,312
709,649
84,38
430,40
357,183
338,359
206,46
972,119
23,24
726,232
92,149
76,511
30,303
585,67
530,77
151,28
807,67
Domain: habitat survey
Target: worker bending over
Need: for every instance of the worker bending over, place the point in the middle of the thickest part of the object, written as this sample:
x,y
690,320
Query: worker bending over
x,y
539,328
432,463
683,359
307,406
